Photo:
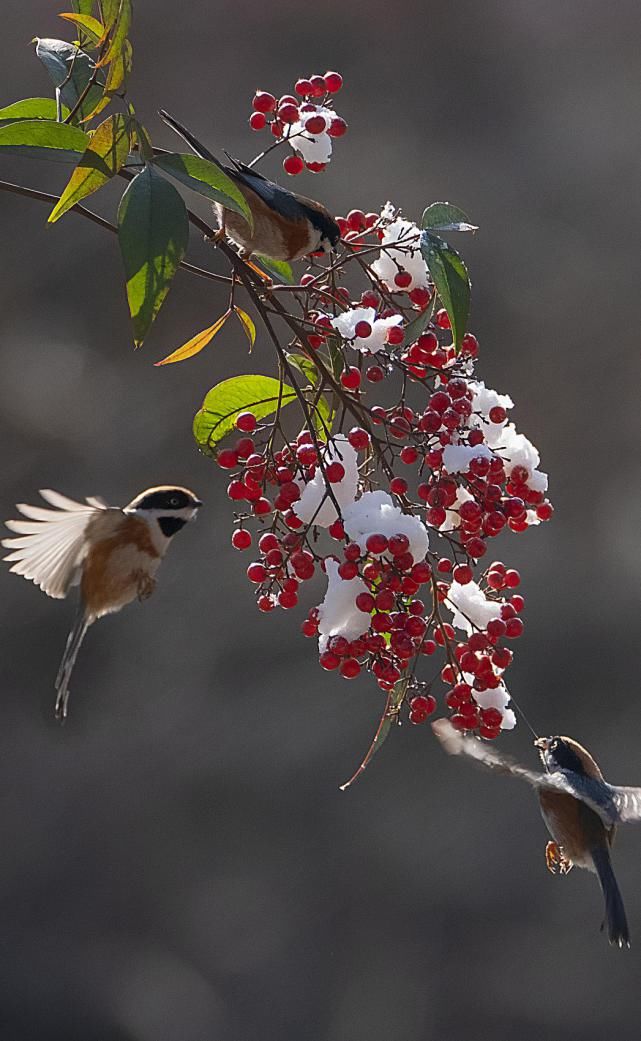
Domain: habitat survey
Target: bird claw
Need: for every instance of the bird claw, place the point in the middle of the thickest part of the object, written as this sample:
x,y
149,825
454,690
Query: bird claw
x,y
146,585
555,859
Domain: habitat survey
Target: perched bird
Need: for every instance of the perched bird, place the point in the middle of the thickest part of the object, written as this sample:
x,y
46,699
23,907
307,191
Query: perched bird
x,y
111,553
580,809
286,226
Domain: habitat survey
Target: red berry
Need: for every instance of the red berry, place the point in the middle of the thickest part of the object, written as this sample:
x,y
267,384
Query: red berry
x,y
398,544
375,374
365,602
544,511
402,279
395,335
442,319
513,628
350,668
376,544
348,570
309,628
288,113
257,121
293,165
241,539
236,491
329,660
256,572
337,127
315,124
227,459
263,101
262,506
362,330
356,222
335,472
287,599
333,82
358,438
351,378
470,345
317,83
398,486
476,547
518,603
497,414
246,421
303,87
463,574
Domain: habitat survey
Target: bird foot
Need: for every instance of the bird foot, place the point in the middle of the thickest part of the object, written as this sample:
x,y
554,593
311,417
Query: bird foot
x,y
555,859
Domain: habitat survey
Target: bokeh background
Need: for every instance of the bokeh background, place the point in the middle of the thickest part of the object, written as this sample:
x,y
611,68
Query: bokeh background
x,y
178,863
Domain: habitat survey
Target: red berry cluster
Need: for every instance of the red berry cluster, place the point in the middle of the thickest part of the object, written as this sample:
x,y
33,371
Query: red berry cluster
x,y
309,108
424,434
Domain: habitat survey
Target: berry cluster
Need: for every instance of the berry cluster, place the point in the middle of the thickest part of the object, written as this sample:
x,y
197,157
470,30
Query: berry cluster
x,y
404,468
305,119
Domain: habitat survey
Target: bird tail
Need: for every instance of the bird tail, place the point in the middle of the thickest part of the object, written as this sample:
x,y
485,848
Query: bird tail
x,y
74,640
618,932
187,136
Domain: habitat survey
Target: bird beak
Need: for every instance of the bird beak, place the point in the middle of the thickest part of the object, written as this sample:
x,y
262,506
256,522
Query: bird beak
x,y
542,743
197,503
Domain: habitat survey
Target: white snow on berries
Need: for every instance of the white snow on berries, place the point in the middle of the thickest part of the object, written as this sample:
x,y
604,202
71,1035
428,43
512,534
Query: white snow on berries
x,y
516,450
400,250
346,324
338,614
483,400
375,514
309,507
470,607
314,148
457,458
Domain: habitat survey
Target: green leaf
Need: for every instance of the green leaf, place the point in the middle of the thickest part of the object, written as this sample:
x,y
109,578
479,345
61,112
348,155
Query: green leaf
x,y
106,152
451,280
196,344
32,108
388,719
82,6
118,31
44,139
304,366
278,269
224,402
443,216
91,26
206,178
418,325
322,416
153,231
120,68
248,326
70,68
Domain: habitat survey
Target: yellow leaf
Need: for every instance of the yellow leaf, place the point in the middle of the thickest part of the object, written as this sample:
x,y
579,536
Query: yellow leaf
x,y
94,29
248,326
106,152
196,344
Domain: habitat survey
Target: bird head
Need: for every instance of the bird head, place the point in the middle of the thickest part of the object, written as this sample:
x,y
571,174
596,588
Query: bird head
x,y
563,753
170,505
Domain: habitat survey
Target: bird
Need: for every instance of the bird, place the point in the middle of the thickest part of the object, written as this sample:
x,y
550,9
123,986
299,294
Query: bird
x,y
286,226
111,553
580,809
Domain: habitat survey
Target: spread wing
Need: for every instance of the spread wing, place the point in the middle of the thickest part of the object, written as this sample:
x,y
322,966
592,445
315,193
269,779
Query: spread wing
x,y
628,803
608,802
51,543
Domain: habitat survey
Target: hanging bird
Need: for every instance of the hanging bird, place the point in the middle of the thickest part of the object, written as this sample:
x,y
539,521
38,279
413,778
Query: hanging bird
x,y
286,226
579,807
111,553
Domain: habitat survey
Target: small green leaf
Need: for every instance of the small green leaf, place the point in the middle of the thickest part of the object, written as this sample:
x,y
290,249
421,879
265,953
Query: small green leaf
x,y
224,402
70,68
31,108
82,6
418,325
304,366
248,326
44,139
91,26
443,216
153,231
196,344
106,152
451,280
388,719
278,269
322,416
206,178
120,68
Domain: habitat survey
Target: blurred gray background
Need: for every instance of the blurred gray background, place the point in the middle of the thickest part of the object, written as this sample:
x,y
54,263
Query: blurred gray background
x,y
178,863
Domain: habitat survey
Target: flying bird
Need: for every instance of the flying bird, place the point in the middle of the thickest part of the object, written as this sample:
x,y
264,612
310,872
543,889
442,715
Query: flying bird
x,y
580,809
287,226
112,554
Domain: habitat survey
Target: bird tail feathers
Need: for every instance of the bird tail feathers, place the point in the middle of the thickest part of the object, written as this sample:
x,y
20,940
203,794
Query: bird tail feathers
x,y
190,138
615,917
74,640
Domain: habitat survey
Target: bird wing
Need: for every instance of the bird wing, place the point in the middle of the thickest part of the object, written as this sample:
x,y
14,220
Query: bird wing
x,y
51,543
598,795
628,803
